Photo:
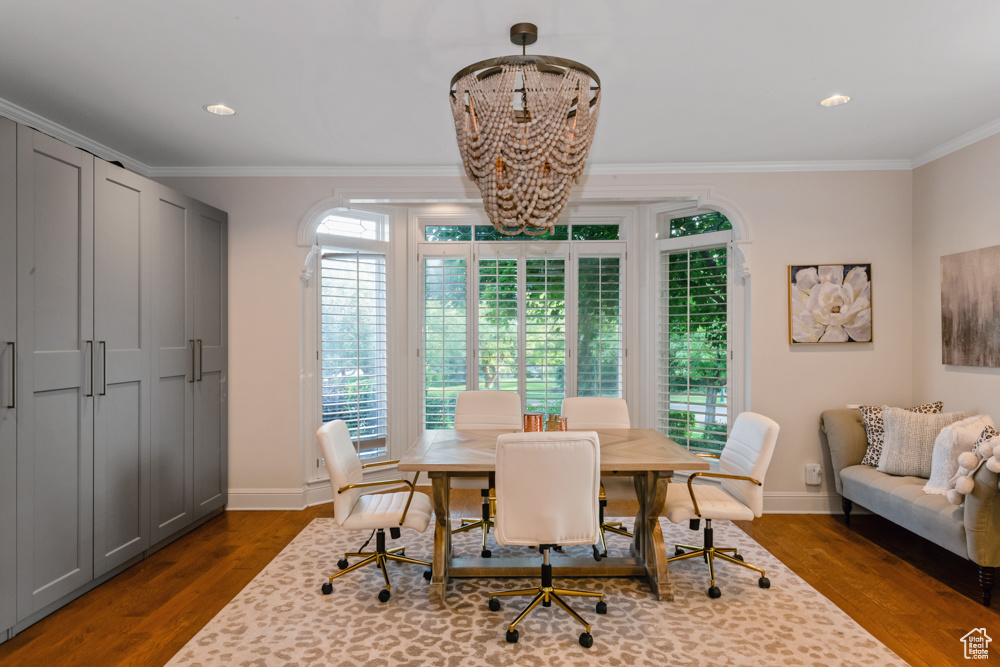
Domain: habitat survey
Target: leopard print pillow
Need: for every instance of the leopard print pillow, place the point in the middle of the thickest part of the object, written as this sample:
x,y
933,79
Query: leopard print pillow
x,y
871,416
988,432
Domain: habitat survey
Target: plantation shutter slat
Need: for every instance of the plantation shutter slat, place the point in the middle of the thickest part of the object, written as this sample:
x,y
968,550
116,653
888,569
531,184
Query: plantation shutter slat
x,y
353,346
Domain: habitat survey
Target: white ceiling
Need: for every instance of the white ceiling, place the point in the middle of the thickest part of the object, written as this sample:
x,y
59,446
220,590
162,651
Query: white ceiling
x,y
365,83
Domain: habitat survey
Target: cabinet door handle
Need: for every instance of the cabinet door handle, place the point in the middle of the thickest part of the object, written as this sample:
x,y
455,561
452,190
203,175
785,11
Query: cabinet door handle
x,y
201,360
104,368
191,343
90,344
13,375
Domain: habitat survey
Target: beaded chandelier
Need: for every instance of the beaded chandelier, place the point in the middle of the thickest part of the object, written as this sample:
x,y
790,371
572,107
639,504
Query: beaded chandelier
x,y
525,125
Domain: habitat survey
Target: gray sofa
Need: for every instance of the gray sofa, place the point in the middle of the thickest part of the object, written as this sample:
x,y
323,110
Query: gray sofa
x,y
972,531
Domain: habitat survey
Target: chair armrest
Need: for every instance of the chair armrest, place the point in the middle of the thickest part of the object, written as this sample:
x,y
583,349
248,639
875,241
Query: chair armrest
x,y
719,475
707,455
844,435
982,519
380,463
413,488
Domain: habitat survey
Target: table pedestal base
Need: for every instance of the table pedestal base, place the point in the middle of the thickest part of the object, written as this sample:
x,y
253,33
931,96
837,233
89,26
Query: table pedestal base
x,y
649,553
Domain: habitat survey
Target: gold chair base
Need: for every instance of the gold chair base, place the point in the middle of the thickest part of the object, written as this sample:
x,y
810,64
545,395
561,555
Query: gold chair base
x,y
548,595
380,557
489,511
710,554
608,526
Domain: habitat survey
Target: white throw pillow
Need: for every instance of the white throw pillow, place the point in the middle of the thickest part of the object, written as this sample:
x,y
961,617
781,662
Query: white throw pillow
x,y
953,440
909,440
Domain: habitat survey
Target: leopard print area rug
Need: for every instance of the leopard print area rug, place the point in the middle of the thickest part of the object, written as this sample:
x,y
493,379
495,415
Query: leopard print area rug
x,y
282,618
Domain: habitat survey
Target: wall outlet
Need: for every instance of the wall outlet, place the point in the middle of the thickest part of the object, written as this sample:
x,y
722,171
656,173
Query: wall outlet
x,y
814,473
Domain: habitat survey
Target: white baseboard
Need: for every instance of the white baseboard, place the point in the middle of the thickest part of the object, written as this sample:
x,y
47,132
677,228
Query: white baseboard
x,y
316,493
313,493
267,499
791,502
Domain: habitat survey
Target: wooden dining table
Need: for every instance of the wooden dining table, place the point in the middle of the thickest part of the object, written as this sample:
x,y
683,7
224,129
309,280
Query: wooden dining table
x,y
645,455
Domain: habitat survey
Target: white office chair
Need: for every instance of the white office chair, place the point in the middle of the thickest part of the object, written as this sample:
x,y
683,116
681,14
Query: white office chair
x,y
547,486
592,412
354,511
484,410
740,497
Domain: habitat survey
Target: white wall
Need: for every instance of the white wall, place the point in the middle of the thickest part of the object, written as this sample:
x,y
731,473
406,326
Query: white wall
x,y
796,218
956,208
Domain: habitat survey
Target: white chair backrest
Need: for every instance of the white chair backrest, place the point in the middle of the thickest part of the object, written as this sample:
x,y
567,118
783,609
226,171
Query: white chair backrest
x,y
547,488
488,409
748,452
343,464
588,412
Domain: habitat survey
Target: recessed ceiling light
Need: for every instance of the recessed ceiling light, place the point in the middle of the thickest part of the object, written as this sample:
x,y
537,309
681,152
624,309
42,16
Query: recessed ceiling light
x,y
219,109
835,100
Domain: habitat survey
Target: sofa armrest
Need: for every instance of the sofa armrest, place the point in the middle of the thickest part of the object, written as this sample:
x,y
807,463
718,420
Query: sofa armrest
x,y
844,435
982,519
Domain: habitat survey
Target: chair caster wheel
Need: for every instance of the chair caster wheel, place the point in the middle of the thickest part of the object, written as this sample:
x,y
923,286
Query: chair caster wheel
x,y
586,640
342,563
427,575
602,607
495,605
512,636
714,592
383,596
678,552
738,557
486,553
597,555
557,549
764,582
327,588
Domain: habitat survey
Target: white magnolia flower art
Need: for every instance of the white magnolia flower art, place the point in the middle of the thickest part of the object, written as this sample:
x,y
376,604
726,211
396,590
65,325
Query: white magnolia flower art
x,y
830,303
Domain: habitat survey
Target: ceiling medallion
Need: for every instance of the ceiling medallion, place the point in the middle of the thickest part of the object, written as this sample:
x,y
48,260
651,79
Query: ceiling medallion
x,y
525,125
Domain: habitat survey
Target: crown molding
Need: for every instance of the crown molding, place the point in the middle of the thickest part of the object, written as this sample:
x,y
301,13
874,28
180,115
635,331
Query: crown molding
x,y
739,167
594,170
309,172
957,143
31,119
66,135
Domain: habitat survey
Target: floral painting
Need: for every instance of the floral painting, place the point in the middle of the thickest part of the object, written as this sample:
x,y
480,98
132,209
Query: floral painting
x,y
830,303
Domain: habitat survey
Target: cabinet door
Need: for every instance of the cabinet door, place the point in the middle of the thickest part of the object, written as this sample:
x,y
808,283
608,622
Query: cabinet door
x,y
122,213
173,356
208,252
8,402
55,421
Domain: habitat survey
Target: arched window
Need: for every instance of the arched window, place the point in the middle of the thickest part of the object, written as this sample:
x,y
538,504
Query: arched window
x,y
353,326
695,343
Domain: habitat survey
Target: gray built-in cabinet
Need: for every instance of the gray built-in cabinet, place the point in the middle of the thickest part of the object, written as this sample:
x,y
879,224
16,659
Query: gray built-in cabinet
x,y
112,370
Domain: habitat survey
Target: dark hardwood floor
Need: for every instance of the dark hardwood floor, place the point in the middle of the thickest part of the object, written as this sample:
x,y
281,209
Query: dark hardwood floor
x,y
916,598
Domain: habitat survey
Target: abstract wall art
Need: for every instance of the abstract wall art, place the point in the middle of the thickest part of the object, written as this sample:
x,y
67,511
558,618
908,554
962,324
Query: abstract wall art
x,y
970,308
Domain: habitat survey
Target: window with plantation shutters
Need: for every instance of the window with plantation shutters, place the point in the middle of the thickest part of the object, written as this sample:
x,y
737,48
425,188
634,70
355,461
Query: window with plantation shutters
x,y
353,345
544,316
445,338
498,330
599,327
694,346
545,334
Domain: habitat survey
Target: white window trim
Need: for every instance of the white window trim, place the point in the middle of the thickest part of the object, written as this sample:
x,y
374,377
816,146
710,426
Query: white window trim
x,y
738,313
398,438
